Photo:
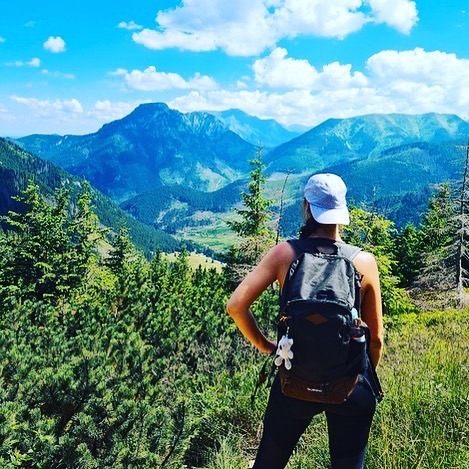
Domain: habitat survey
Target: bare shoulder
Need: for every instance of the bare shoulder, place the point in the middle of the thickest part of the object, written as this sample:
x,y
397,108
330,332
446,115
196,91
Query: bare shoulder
x,y
279,255
365,259
277,260
366,264
281,252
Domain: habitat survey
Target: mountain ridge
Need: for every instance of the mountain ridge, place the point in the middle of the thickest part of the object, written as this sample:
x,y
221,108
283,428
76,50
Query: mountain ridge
x,y
18,167
260,132
151,147
381,156
344,140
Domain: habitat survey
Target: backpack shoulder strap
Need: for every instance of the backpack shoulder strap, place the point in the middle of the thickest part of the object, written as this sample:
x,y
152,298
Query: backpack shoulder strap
x,y
310,245
348,250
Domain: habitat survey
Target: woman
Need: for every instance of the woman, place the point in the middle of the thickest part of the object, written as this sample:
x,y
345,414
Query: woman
x,y
287,418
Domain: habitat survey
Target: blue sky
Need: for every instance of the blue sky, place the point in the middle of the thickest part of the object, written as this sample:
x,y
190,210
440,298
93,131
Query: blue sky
x,y
68,67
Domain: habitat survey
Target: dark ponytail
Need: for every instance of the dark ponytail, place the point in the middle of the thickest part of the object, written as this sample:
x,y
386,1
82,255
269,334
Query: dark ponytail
x,y
310,226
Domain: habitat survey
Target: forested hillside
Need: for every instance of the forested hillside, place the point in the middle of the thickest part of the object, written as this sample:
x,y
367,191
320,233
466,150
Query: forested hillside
x,y
149,159
119,361
18,167
171,207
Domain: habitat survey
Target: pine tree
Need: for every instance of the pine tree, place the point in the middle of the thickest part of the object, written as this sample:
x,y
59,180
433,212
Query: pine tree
x,y
408,245
375,234
443,233
256,237
49,246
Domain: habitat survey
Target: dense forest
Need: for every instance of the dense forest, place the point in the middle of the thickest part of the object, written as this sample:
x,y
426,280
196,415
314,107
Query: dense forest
x,y
111,359
18,167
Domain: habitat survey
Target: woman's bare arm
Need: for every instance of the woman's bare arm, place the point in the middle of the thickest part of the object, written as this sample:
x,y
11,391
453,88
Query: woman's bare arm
x,y
271,268
372,312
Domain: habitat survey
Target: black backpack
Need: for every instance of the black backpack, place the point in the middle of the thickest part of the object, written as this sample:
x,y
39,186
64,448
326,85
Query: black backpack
x,y
319,319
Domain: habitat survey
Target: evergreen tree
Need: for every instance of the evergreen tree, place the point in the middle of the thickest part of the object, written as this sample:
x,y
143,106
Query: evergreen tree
x,y
49,247
443,254
408,246
375,234
256,237
435,284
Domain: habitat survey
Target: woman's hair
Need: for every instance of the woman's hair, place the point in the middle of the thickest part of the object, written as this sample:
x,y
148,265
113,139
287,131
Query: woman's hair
x,y
310,226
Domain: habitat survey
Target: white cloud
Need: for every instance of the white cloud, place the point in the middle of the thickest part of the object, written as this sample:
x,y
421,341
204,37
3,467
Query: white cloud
x,y
119,72
290,107
419,66
55,44
152,80
107,111
335,76
241,28
68,76
130,26
47,108
2,39
400,14
248,27
34,62
411,82
323,18
187,41
278,71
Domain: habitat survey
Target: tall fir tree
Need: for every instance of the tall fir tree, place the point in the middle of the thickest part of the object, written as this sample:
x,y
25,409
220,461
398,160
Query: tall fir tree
x,y
439,283
252,227
50,246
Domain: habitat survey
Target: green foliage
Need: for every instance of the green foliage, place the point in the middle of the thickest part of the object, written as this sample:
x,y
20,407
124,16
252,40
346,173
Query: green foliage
x,y
432,257
253,229
111,370
422,420
375,234
255,215
48,252
438,224
408,250
117,361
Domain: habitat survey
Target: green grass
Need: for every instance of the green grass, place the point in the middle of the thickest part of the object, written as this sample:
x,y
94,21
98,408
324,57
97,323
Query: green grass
x,y
216,235
422,422
195,260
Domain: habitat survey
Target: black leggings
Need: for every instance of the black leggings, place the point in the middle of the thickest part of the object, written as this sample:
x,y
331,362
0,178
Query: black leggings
x,y
286,419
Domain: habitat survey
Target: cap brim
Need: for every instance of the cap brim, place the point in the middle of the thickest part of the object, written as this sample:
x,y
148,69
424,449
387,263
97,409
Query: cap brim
x,y
334,216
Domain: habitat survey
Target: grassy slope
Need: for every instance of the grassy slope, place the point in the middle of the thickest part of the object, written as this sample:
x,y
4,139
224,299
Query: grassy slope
x,y
422,422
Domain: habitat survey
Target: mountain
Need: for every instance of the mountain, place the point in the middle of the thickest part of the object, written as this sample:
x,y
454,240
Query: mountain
x,y
184,172
399,180
338,141
264,132
18,167
169,207
152,147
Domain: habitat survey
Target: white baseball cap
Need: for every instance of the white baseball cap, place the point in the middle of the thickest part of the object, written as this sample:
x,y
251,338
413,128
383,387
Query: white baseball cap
x,y
326,196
